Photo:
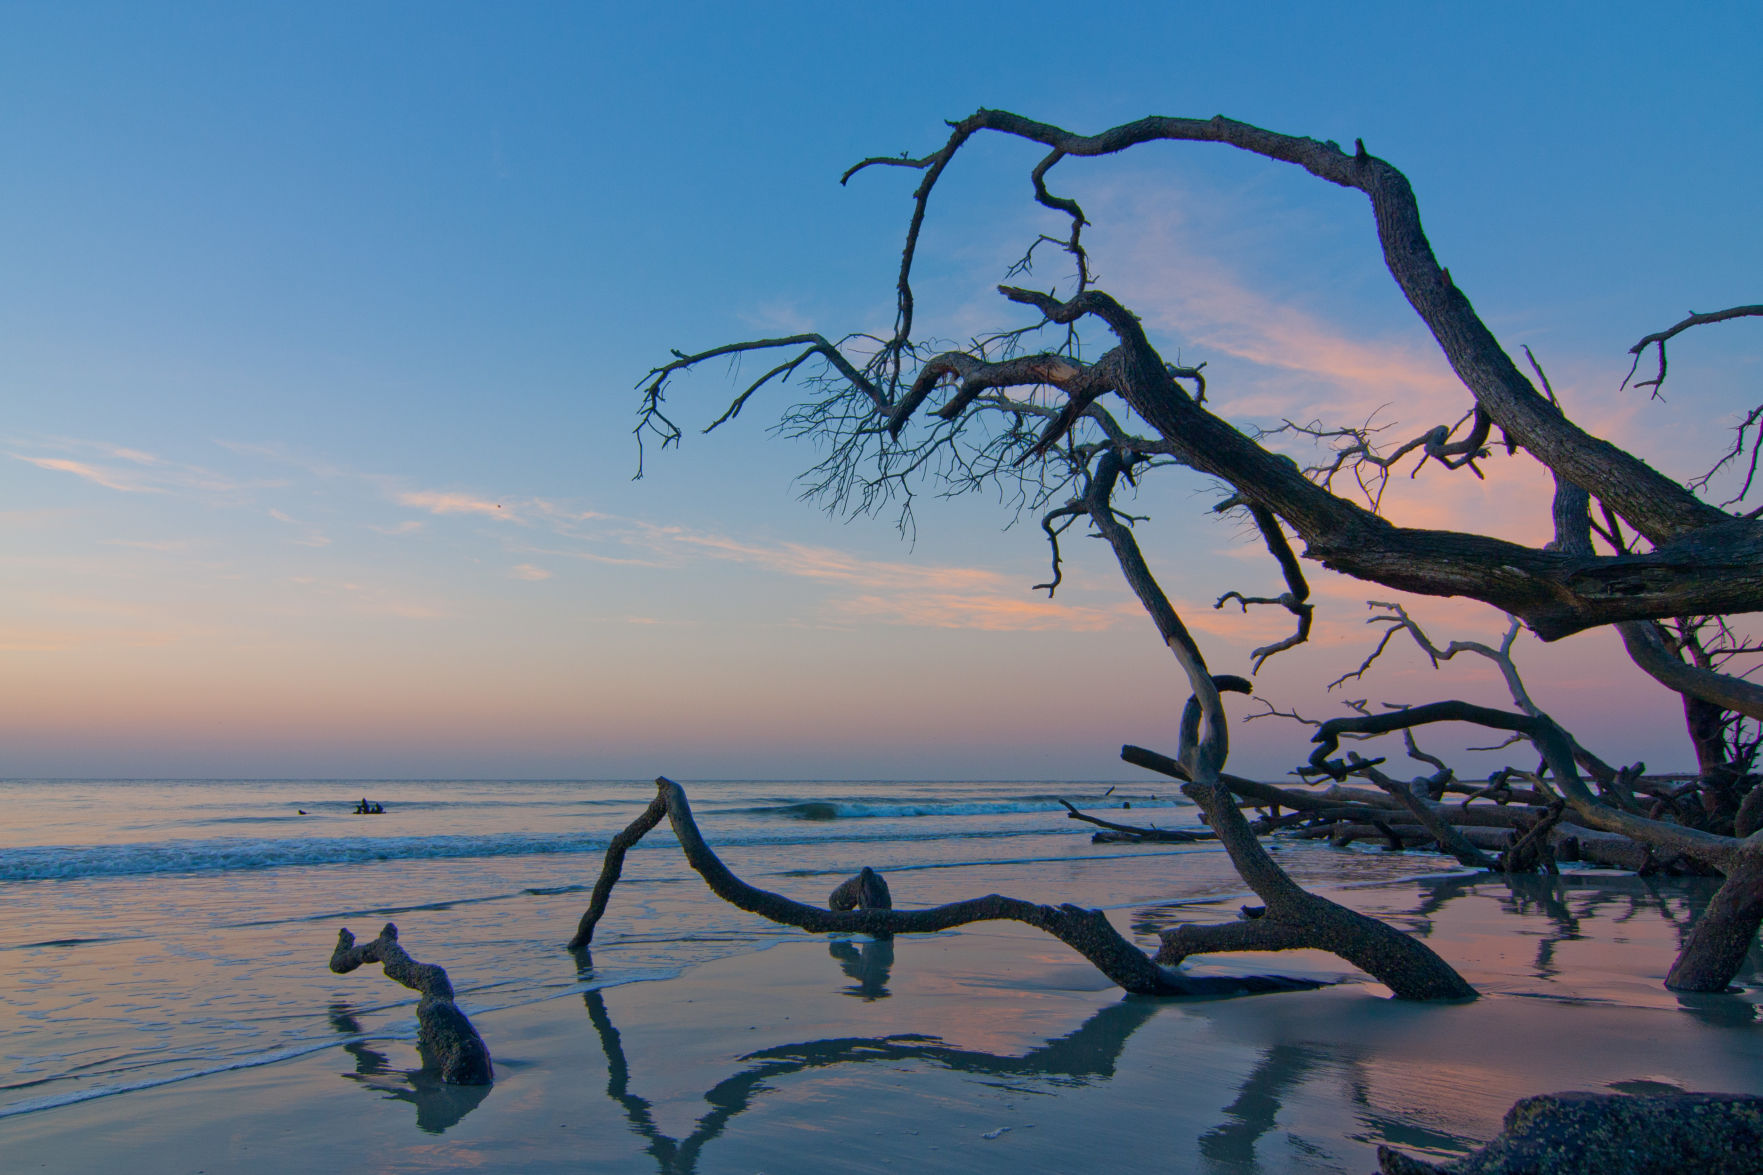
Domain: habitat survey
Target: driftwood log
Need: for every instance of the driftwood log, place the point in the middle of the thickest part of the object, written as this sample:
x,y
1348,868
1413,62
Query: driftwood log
x,y
445,1038
866,891
1717,944
1088,932
1132,832
1293,918
1412,971
1603,1134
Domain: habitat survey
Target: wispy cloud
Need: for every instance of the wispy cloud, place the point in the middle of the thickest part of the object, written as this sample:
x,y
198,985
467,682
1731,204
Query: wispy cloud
x,y
828,563
780,318
452,502
408,526
129,470
528,571
921,595
150,544
987,611
108,478
313,537
372,599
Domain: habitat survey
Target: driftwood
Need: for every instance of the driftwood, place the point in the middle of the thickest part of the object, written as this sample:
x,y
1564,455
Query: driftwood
x,y
1717,944
1086,931
444,1036
1601,1134
866,891
1131,832
1437,825
1294,918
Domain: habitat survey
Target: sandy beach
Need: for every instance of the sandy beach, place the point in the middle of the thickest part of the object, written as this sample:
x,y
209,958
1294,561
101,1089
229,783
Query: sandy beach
x,y
992,1049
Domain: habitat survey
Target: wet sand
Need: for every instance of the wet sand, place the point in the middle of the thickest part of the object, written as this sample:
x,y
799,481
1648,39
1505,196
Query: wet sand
x,y
995,1049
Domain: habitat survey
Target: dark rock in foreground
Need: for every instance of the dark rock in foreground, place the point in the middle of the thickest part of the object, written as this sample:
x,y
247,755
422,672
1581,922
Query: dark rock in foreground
x,y
1612,1134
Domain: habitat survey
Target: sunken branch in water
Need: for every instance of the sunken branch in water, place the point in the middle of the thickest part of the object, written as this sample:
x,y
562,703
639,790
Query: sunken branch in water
x,y
446,1039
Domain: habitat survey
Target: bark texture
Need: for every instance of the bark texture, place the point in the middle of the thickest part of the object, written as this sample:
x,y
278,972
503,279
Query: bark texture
x,y
1722,936
446,1039
1088,932
1297,919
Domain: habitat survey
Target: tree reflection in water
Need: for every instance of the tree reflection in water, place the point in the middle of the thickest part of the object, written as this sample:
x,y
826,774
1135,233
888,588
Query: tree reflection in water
x,y
1090,1053
439,1106
868,963
1556,910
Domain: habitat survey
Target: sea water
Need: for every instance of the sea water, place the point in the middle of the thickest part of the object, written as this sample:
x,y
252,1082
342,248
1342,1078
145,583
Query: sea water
x,y
155,932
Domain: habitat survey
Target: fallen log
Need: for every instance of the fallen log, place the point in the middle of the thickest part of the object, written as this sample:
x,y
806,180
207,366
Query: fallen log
x,y
1436,823
445,1038
1294,918
1492,839
1086,931
1174,835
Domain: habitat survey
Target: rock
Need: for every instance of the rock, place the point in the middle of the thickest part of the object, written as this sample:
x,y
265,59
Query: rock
x,y
1577,1133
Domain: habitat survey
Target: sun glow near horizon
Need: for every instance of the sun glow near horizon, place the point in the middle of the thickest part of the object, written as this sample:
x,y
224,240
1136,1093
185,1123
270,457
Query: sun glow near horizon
x,y
320,459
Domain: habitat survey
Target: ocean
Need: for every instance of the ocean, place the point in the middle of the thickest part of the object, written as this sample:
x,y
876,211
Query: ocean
x,y
153,932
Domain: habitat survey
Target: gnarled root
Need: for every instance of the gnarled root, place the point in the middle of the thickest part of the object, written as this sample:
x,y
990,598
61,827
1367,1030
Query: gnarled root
x,y
1295,918
1087,932
444,1036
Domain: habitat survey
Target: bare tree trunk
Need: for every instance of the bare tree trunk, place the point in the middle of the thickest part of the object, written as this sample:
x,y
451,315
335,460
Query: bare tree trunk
x,y
1088,932
1295,918
1723,935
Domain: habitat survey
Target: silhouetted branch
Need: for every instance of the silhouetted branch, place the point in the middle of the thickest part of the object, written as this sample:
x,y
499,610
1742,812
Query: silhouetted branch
x,y
1660,338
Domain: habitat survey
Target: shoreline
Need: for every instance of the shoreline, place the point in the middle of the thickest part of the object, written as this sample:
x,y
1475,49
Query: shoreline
x,y
994,1048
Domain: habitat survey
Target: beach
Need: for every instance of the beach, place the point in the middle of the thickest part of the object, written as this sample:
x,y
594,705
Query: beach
x,y
167,1002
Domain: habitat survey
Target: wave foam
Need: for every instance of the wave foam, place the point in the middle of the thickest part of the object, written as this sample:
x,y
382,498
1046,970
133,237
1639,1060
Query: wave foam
x,y
221,854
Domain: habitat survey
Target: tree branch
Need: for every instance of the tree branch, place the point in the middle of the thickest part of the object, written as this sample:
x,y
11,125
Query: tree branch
x,y
1086,931
444,1036
1660,338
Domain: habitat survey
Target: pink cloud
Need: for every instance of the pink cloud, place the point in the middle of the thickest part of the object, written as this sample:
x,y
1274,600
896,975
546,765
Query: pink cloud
x,y
445,502
92,473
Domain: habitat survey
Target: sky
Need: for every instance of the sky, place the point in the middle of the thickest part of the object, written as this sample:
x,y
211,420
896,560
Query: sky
x,y
320,328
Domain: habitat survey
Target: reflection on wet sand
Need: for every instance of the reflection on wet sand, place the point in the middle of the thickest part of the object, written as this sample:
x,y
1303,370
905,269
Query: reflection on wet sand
x,y
439,1106
1090,1053
867,963
1279,1079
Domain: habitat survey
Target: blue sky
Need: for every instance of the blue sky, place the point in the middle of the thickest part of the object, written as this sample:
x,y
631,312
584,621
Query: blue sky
x,y
320,327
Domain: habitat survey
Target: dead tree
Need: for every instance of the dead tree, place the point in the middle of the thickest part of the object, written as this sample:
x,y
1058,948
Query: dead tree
x,y
1403,964
1058,420
446,1039
1715,949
